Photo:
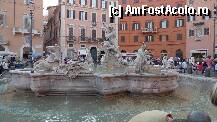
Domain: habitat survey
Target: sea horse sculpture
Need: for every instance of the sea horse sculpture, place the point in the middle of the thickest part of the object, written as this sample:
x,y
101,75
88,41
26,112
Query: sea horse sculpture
x,y
51,62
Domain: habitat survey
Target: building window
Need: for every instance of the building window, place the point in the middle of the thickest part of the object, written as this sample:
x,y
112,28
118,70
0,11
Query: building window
x,y
82,34
122,39
191,33
164,24
103,34
136,26
2,19
94,35
206,31
136,1
71,45
82,15
123,26
149,38
71,33
136,38
28,2
113,3
83,46
94,18
27,22
124,1
178,36
149,25
179,23
191,2
71,14
94,3
199,32
104,4
71,1
82,2
112,20
191,18
205,17
103,17
164,38
179,5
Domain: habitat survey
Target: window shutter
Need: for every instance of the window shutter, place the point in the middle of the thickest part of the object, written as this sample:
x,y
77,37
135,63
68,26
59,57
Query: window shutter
x,y
85,2
126,26
195,17
161,24
67,13
5,20
167,23
138,26
120,26
146,38
167,37
133,27
90,3
183,23
101,4
146,24
73,14
79,15
106,4
188,18
96,3
176,23
160,37
85,15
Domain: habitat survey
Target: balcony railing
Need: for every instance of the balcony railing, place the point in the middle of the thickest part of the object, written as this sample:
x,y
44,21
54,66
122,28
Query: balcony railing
x,y
149,30
17,30
90,39
70,38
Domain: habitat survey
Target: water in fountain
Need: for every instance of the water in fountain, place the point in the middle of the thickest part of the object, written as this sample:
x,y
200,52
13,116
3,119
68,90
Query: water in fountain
x,y
191,95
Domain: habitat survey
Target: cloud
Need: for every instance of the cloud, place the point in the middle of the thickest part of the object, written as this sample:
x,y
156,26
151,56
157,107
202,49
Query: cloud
x,y
47,3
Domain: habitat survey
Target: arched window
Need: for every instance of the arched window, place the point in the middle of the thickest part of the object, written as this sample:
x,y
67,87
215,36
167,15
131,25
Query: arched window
x,y
164,53
179,53
123,51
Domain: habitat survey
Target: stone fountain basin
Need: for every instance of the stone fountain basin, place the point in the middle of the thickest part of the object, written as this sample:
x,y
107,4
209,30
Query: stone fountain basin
x,y
93,84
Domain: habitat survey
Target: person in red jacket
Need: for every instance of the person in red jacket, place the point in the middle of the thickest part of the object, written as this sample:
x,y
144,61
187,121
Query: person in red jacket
x,y
199,67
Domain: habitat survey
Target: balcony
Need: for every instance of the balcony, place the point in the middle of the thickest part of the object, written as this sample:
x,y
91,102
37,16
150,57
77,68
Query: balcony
x,y
71,39
149,30
84,39
17,30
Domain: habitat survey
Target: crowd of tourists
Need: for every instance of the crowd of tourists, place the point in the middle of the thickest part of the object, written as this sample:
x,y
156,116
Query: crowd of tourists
x,y
203,66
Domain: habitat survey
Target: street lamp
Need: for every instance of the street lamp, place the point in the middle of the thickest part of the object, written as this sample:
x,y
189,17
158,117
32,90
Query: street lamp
x,y
31,8
214,19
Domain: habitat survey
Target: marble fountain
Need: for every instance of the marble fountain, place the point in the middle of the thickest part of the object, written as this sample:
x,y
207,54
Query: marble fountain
x,y
51,77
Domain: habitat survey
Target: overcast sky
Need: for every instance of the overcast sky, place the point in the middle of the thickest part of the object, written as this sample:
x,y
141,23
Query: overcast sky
x,y
48,3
